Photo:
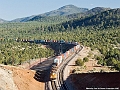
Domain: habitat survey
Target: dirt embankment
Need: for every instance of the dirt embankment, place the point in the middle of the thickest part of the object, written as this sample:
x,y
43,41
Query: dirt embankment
x,y
96,81
15,78
90,77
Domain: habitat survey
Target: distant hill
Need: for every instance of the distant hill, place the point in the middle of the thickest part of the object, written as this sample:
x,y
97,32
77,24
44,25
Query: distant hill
x,y
90,12
109,18
96,10
24,19
50,19
2,21
63,11
62,14
82,12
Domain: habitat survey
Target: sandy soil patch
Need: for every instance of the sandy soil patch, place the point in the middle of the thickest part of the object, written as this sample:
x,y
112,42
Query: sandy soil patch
x,y
91,65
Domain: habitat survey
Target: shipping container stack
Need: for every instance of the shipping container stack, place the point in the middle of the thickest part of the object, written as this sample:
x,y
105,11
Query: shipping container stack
x,y
63,56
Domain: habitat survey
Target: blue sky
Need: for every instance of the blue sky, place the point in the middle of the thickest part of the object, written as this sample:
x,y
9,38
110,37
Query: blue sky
x,y
12,9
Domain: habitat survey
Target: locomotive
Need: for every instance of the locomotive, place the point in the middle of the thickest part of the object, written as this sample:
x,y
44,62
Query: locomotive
x,y
59,59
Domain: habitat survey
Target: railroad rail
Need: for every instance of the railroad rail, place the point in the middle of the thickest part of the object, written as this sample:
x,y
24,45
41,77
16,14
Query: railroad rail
x,y
53,84
59,83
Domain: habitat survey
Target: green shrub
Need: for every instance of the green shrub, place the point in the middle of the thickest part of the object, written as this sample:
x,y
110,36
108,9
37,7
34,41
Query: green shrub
x,y
85,59
79,62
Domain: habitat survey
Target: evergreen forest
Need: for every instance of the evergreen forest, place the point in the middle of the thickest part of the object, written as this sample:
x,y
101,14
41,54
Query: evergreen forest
x,y
99,31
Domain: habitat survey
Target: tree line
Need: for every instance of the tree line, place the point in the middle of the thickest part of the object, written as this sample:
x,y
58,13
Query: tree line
x,y
99,31
15,53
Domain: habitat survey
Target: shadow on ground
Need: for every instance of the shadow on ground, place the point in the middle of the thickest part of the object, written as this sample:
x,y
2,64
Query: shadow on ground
x,y
42,76
43,70
93,81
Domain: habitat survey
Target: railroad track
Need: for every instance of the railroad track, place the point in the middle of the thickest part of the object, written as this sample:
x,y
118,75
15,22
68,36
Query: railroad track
x,y
60,84
53,84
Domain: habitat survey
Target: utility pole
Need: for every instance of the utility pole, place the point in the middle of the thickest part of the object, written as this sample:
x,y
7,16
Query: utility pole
x,y
40,59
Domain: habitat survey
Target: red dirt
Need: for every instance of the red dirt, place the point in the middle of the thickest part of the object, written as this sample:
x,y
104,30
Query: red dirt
x,y
22,78
32,63
19,78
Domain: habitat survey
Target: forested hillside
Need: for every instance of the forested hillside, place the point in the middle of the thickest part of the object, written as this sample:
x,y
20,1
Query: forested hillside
x,y
24,19
15,53
50,19
98,30
96,10
106,19
65,13
75,14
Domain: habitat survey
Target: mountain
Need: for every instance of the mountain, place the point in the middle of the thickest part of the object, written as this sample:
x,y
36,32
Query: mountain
x,y
62,14
90,12
2,21
106,19
80,12
96,10
65,10
50,19
25,19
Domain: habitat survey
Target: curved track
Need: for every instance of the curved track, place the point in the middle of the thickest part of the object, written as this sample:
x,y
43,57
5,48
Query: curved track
x,y
60,84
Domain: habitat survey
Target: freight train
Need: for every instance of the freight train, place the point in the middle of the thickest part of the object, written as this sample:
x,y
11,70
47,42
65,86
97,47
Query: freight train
x,y
60,58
